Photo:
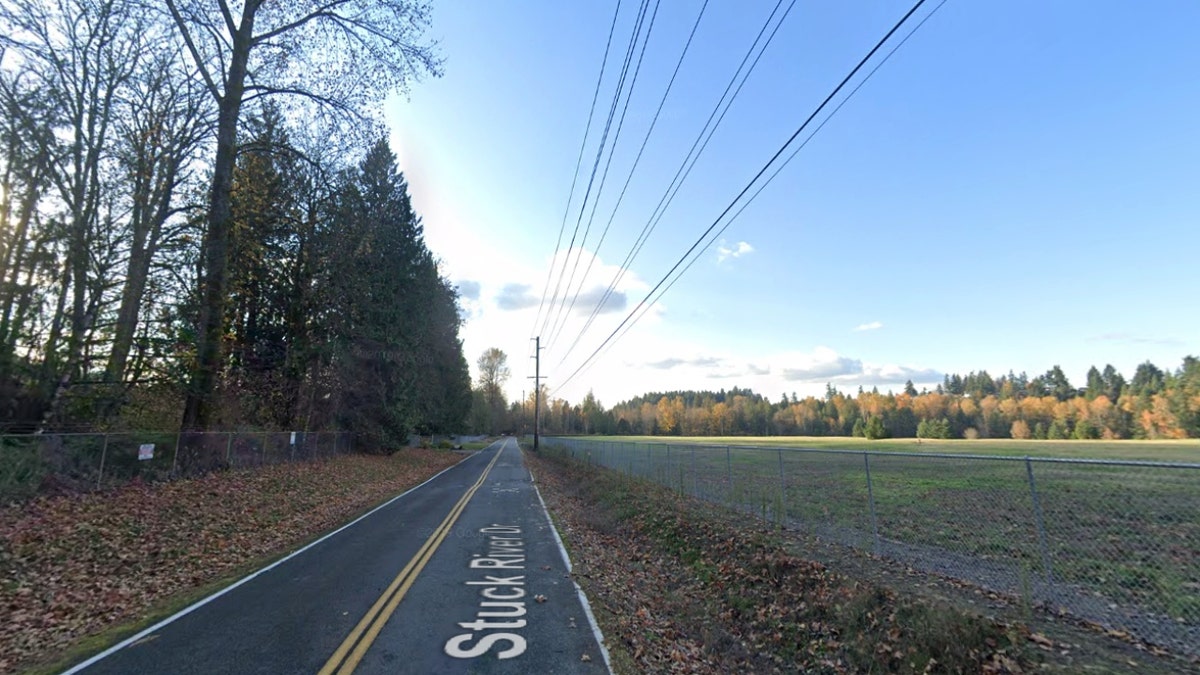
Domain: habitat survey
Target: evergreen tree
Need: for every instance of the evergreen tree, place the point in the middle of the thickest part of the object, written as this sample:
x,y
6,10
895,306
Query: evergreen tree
x,y
1095,384
1148,380
392,319
1057,384
1114,383
1057,430
875,429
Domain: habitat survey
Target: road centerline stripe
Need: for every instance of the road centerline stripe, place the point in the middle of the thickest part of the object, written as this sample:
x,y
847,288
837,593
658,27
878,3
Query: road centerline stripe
x,y
344,661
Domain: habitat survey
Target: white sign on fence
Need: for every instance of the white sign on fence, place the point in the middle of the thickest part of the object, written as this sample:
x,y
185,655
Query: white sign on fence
x,y
293,438
146,451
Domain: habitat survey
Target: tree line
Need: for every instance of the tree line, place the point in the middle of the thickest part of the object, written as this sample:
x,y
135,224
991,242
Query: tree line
x,y
1153,404
202,226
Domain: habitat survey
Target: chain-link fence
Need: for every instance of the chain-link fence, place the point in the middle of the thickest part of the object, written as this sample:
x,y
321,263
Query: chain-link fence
x,y
1112,542
30,464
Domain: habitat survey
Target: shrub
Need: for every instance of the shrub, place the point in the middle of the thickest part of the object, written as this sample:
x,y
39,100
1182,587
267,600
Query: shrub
x,y
875,429
1020,429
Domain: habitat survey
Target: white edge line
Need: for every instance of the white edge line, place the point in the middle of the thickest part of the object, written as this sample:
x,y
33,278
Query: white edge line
x,y
197,605
587,608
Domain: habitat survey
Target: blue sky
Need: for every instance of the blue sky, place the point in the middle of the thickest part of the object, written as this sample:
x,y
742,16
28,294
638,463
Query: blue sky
x,y
1016,188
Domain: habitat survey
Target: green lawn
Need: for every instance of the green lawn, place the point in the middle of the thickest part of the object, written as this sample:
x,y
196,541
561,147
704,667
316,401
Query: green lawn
x,y
1187,451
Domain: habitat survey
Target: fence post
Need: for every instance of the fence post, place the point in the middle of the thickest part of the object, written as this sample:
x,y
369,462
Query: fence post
x,y
729,475
103,454
229,449
262,454
695,480
175,459
1041,524
871,500
664,471
782,491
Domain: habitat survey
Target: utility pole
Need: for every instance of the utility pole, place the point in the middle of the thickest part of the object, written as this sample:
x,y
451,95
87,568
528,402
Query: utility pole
x,y
537,390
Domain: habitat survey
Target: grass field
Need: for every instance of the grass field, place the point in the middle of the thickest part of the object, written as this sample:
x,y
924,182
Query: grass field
x,y
1187,451
1117,541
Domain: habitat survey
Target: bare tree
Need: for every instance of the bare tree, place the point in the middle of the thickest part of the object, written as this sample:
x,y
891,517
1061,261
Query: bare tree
x,y
341,56
160,128
493,374
25,148
81,53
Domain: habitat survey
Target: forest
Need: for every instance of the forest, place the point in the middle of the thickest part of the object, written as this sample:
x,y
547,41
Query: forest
x,y
202,225
1153,404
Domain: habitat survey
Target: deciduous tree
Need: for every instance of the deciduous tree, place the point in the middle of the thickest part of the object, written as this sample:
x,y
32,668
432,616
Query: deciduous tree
x,y
336,57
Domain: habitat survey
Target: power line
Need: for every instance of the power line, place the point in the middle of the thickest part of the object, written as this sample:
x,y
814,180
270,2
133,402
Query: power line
x,y
563,314
616,100
554,297
767,182
636,161
684,170
578,164
758,175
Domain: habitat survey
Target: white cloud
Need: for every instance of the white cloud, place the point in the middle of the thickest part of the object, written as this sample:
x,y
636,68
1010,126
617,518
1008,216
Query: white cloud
x,y
822,365
1130,338
738,250
893,374
658,360
468,290
826,365
616,301
516,297
698,362
874,325
508,301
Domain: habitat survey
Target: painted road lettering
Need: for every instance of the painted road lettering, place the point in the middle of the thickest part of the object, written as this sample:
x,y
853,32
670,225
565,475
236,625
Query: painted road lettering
x,y
501,604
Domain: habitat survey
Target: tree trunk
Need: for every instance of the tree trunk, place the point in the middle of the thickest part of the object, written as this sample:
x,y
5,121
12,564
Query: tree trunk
x,y
147,232
127,314
198,408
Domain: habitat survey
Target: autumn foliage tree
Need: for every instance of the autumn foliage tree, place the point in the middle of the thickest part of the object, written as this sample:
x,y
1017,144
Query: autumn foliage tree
x,y
1154,404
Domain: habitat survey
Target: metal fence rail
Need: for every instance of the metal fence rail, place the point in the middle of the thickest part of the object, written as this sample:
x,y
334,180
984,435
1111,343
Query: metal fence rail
x,y
1113,542
30,464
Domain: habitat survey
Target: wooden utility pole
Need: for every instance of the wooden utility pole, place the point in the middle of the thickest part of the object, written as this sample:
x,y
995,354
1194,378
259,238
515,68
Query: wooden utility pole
x,y
537,390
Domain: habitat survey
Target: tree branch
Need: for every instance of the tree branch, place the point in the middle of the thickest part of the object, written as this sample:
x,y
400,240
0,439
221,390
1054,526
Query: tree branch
x,y
326,11
262,91
187,39
228,16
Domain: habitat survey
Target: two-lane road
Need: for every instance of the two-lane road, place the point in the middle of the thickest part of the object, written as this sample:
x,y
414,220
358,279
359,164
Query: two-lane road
x,y
462,574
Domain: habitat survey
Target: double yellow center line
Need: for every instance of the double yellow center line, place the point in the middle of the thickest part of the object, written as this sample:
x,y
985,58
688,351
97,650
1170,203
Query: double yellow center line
x,y
355,646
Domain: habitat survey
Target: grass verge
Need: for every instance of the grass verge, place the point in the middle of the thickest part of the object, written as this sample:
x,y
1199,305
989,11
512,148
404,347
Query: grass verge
x,y
677,589
1125,533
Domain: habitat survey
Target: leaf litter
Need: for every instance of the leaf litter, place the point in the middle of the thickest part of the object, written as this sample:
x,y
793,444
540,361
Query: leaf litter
x,y
72,566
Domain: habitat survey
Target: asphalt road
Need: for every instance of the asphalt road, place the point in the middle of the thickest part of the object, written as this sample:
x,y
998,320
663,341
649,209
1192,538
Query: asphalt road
x,y
461,575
